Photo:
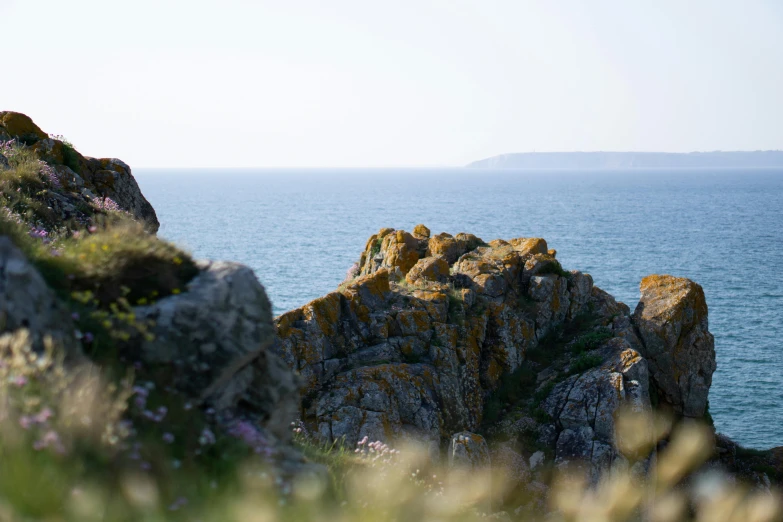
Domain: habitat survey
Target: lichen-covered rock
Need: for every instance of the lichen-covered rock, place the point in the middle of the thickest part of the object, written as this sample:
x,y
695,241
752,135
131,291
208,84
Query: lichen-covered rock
x,y
213,335
391,359
393,250
468,450
447,246
20,126
416,351
84,181
112,178
671,319
529,245
421,232
433,268
27,302
584,407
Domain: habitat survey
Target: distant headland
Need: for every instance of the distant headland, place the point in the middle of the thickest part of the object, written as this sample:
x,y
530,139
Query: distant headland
x,y
632,160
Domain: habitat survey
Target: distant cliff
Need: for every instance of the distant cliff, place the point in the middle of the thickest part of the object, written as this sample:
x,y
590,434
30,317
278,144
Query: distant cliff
x,y
631,160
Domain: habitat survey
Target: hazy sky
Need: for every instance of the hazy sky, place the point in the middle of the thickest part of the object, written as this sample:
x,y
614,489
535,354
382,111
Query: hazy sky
x,y
368,83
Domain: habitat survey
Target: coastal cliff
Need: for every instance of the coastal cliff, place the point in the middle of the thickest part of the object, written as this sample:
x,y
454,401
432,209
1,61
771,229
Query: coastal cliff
x,y
432,333
75,188
490,354
179,348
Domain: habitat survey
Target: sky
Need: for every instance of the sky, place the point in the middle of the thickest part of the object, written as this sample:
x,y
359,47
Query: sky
x,y
364,83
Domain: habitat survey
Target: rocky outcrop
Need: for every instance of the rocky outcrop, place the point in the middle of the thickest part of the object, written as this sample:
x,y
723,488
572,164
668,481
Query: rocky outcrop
x,y
583,408
15,125
83,181
212,333
425,342
209,343
112,178
410,348
671,319
27,302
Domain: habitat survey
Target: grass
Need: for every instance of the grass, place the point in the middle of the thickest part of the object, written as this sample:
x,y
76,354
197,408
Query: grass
x,y
24,186
591,340
71,157
120,260
25,171
518,388
100,276
376,247
556,268
336,457
514,388
456,307
584,362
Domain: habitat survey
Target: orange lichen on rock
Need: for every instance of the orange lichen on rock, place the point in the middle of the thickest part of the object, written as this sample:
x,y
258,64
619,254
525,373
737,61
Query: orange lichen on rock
x,y
529,245
325,311
671,318
421,232
401,250
20,126
433,268
446,246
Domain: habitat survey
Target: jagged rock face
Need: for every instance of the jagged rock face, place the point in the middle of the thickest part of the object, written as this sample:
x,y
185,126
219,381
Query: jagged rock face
x,y
27,302
584,406
113,178
671,319
389,358
95,179
415,346
218,337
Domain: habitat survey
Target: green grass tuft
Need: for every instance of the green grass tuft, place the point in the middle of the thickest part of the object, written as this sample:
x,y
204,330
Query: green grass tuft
x,y
584,362
592,340
71,157
555,268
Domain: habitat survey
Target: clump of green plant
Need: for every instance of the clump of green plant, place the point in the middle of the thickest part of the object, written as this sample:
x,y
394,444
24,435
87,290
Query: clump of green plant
x,y
24,186
556,268
591,340
456,306
526,303
337,457
585,361
71,157
376,247
120,261
25,169
513,388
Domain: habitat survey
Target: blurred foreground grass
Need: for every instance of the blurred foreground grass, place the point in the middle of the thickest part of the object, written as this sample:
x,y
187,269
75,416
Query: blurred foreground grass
x,y
72,450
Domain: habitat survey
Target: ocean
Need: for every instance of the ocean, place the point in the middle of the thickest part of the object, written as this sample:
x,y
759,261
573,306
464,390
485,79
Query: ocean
x,y
300,230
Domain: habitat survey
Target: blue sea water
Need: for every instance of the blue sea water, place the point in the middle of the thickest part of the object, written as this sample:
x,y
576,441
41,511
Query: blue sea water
x,y
301,229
